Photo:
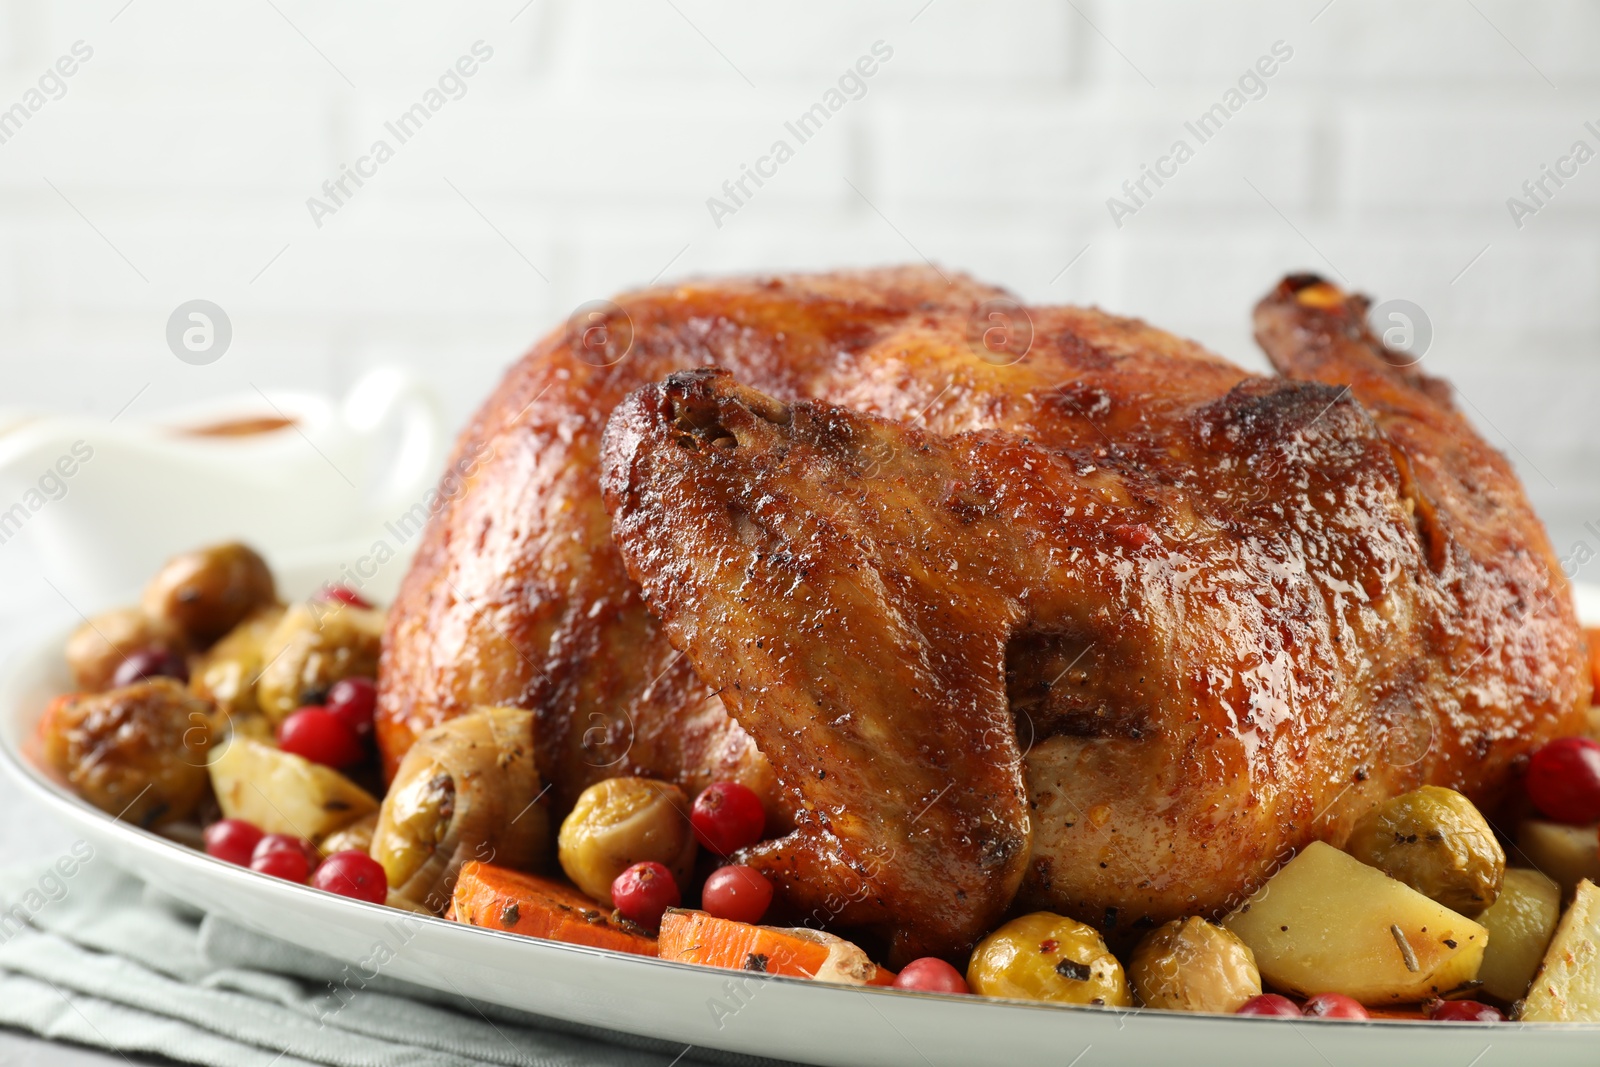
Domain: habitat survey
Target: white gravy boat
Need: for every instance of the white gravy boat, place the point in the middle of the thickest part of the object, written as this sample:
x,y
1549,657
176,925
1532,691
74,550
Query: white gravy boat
x,y
97,506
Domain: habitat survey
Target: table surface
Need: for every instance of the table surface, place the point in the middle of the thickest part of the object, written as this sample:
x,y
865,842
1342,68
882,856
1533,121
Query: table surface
x,y
17,1049
27,831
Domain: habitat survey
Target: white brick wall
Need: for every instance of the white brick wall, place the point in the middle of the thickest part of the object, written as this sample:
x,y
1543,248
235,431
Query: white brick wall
x,y
990,142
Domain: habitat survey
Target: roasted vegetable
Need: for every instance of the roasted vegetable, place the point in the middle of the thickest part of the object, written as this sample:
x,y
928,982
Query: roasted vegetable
x,y
1437,842
467,789
1569,854
97,648
228,671
282,793
622,821
497,899
800,952
1044,956
1328,923
1520,925
1567,987
1192,965
209,591
311,647
138,752
356,837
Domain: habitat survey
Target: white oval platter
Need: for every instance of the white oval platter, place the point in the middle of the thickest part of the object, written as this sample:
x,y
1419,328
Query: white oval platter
x,y
780,1018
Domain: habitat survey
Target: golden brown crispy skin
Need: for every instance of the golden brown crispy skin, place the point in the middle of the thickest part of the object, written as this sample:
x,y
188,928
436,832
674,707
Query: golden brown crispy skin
x,y
517,595
1504,645
804,575
1106,631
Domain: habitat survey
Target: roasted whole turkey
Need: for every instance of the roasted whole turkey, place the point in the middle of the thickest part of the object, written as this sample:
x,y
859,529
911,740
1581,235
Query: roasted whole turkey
x,y
1084,619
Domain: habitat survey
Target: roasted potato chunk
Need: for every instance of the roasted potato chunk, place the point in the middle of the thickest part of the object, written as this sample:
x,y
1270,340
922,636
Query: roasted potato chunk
x,y
138,752
1192,965
1567,987
622,821
1520,925
1569,854
97,648
1437,842
283,793
1328,923
227,673
1048,957
207,592
311,647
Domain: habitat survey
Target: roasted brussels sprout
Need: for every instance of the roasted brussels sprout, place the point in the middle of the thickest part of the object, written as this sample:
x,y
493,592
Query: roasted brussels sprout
x,y
1192,965
312,647
227,673
98,647
1045,956
466,790
622,821
207,592
1438,843
138,752
357,836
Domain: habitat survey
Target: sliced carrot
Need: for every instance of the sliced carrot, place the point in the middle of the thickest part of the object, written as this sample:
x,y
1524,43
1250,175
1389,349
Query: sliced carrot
x,y
696,937
500,899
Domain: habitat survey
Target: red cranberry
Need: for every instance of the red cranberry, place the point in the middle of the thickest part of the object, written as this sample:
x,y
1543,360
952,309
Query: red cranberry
x,y
353,874
1334,1006
1464,1011
727,816
233,840
287,843
643,892
284,856
1563,780
1269,1004
354,700
932,975
345,595
738,893
150,663
321,737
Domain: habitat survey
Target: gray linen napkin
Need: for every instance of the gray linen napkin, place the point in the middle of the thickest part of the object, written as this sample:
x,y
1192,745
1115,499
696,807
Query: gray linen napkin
x,y
102,960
